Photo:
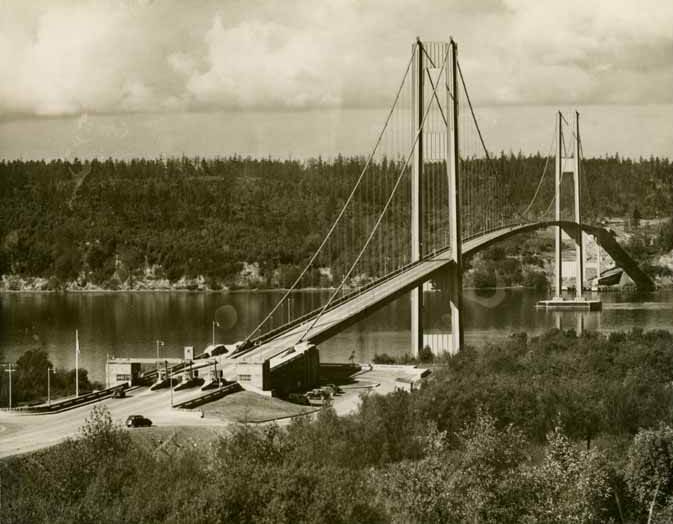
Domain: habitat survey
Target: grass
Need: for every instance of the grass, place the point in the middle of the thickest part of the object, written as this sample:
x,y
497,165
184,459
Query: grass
x,y
246,406
167,439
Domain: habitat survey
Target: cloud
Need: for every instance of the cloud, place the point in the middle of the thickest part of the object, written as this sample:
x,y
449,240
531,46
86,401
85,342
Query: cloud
x,y
262,64
604,51
115,56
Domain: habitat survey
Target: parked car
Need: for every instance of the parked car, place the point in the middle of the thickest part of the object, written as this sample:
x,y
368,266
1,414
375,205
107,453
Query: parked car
x,y
333,389
318,394
138,421
298,398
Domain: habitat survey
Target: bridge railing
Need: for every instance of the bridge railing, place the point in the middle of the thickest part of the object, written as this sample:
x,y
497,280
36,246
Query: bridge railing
x,y
60,405
288,326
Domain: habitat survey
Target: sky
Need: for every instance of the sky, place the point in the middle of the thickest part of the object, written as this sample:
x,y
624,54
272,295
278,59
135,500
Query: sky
x,y
129,78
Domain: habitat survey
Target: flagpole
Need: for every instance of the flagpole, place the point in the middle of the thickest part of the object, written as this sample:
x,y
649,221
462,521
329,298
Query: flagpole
x,y
76,363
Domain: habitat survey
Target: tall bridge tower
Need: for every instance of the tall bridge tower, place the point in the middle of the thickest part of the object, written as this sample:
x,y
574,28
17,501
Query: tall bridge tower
x,y
569,164
426,58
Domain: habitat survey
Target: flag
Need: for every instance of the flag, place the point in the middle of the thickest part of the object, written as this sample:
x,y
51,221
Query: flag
x,y
216,323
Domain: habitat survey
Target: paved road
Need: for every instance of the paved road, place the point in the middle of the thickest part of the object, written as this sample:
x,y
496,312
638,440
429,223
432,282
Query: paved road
x,y
23,433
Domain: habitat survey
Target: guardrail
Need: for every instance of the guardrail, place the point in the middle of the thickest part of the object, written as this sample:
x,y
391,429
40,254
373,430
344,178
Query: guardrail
x,y
209,397
61,405
252,343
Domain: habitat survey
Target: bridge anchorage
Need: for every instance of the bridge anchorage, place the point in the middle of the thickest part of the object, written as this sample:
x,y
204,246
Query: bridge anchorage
x,y
428,195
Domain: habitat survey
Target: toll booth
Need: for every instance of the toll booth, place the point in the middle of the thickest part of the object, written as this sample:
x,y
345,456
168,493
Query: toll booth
x,y
129,370
122,372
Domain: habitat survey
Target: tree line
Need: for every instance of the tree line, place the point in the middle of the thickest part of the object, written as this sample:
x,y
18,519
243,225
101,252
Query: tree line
x,y
552,429
30,384
105,221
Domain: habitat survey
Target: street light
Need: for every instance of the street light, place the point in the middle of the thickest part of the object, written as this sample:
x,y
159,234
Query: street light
x,y
159,343
170,382
10,369
50,370
215,323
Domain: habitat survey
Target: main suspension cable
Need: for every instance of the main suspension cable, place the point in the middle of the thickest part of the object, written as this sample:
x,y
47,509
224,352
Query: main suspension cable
x,y
381,215
346,204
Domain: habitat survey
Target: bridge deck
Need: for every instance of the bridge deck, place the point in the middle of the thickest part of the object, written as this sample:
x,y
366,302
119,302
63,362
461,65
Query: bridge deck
x,y
346,314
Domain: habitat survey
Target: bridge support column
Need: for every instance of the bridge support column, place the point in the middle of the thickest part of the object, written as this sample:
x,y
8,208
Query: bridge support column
x,y
558,258
418,80
453,173
579,243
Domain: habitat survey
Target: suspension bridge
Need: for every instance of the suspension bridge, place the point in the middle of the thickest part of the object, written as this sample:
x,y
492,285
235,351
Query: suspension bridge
x,y
429,194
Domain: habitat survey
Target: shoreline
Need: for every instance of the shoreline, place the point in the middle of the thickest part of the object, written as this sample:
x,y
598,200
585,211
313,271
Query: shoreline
x,y
254,290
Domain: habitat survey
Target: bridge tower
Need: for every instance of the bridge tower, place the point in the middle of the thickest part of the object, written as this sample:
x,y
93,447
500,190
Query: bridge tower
x,y
568,165
453,173
418,111
452,161
571,165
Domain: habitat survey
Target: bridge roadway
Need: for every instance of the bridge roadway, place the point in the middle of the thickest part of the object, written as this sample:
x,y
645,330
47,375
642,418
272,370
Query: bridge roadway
x,y
338,318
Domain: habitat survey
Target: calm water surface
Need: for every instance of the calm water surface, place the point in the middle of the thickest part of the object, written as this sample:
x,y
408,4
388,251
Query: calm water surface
x,y
127,324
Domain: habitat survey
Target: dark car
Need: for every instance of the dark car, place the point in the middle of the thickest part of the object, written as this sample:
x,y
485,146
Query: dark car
x,y
334,389
298,398
138,421
119,393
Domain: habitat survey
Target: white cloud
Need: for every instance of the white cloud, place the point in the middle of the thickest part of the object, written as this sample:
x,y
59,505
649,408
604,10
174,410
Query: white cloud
x,y
130,55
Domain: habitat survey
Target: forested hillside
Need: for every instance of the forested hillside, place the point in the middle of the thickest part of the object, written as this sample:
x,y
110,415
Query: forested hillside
x,y
103,222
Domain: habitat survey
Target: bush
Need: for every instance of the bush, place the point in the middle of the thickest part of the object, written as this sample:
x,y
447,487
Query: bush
x,y
384,358
649,470
536,280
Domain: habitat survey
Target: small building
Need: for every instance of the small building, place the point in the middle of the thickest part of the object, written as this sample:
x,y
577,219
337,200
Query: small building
x,y
294,369
129,370
125,372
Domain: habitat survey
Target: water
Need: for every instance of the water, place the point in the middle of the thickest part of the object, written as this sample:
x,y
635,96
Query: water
x,y
127,324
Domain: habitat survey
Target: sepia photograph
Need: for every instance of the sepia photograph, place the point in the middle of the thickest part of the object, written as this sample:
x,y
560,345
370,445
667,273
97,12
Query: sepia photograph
x,y
336,261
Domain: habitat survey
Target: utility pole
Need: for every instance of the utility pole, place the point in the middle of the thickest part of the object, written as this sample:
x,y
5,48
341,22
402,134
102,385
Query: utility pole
x,y
418,80
453,173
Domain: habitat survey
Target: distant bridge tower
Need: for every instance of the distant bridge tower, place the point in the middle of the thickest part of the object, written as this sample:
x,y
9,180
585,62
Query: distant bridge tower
x,y
568,165
452,162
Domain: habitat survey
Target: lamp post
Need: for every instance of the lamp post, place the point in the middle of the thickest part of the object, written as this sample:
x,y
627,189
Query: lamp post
x,y
50,370
76,363
10,369
215,323
170,382
159,343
